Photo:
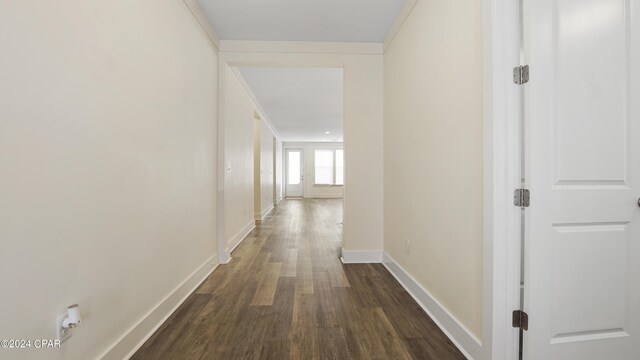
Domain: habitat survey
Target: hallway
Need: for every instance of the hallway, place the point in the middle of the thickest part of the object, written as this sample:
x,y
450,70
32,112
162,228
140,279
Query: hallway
x,y
285,294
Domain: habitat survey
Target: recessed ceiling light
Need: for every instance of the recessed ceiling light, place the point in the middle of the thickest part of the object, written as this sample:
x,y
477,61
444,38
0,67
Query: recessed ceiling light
x,y
327,132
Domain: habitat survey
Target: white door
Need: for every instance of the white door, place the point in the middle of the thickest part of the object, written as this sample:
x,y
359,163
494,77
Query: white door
x,y
582,267
294,173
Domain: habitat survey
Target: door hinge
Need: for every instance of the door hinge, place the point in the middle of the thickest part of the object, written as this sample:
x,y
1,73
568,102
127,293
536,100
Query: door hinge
x,y
521,197
520,320
521,74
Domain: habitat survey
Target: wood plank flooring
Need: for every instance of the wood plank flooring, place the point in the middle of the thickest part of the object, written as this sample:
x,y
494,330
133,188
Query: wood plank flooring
x,y
286,295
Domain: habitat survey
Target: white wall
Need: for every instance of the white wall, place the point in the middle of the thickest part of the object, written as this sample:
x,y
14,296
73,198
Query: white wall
x,y
257,169
278,158
266,169
310,189
241,187
433,152
107,168
363,111
266,166
239,159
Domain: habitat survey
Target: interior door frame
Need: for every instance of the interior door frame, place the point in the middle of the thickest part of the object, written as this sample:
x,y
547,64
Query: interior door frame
x,y
286,168
502,121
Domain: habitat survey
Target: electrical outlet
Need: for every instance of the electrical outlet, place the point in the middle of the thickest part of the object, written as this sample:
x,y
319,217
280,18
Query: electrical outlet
x,y
407,246
62,333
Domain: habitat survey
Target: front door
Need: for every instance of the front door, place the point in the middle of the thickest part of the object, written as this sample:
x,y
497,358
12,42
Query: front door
x,y
582,272
294,173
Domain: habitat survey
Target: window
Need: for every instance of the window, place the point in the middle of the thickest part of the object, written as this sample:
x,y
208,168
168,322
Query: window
x,y
339,167
329,167
324,167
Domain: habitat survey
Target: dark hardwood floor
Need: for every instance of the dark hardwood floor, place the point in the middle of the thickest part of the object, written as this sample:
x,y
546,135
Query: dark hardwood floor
x,y
286,295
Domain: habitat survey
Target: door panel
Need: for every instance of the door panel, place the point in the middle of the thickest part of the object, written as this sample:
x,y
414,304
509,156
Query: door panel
x,y
590,87
582,291
595,275
294,159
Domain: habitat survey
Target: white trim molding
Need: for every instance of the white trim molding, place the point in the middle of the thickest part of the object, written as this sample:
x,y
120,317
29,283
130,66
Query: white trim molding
x,y
266,212
405,11
361,256
254,99
501,262
300,47
203,21
262,215
141,331
464,339
240,236
323,196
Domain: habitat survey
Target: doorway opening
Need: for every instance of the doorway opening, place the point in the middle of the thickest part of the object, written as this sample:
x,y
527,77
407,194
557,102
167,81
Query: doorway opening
x,y
294,173
304,110
268,111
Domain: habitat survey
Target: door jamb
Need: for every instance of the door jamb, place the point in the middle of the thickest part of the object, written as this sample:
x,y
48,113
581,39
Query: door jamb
x,y
501,245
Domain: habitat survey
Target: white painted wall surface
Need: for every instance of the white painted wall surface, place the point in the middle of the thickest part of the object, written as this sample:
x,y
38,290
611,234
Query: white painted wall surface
x,y
433,153
279,169
239,164
241,210
363,111
107,167
266,168
312,190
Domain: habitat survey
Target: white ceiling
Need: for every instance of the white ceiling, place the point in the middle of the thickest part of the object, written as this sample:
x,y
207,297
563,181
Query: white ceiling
x,y
302,103
302,20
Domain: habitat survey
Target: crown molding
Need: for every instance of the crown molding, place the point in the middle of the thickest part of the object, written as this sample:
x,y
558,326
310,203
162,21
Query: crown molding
x,y
202,19
301,47
254,99
407,7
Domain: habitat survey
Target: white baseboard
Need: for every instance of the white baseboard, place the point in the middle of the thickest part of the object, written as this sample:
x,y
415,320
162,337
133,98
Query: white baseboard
x,y
323,196
233,243
266,212
278,200
361,256
466,342
135,337
259,216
